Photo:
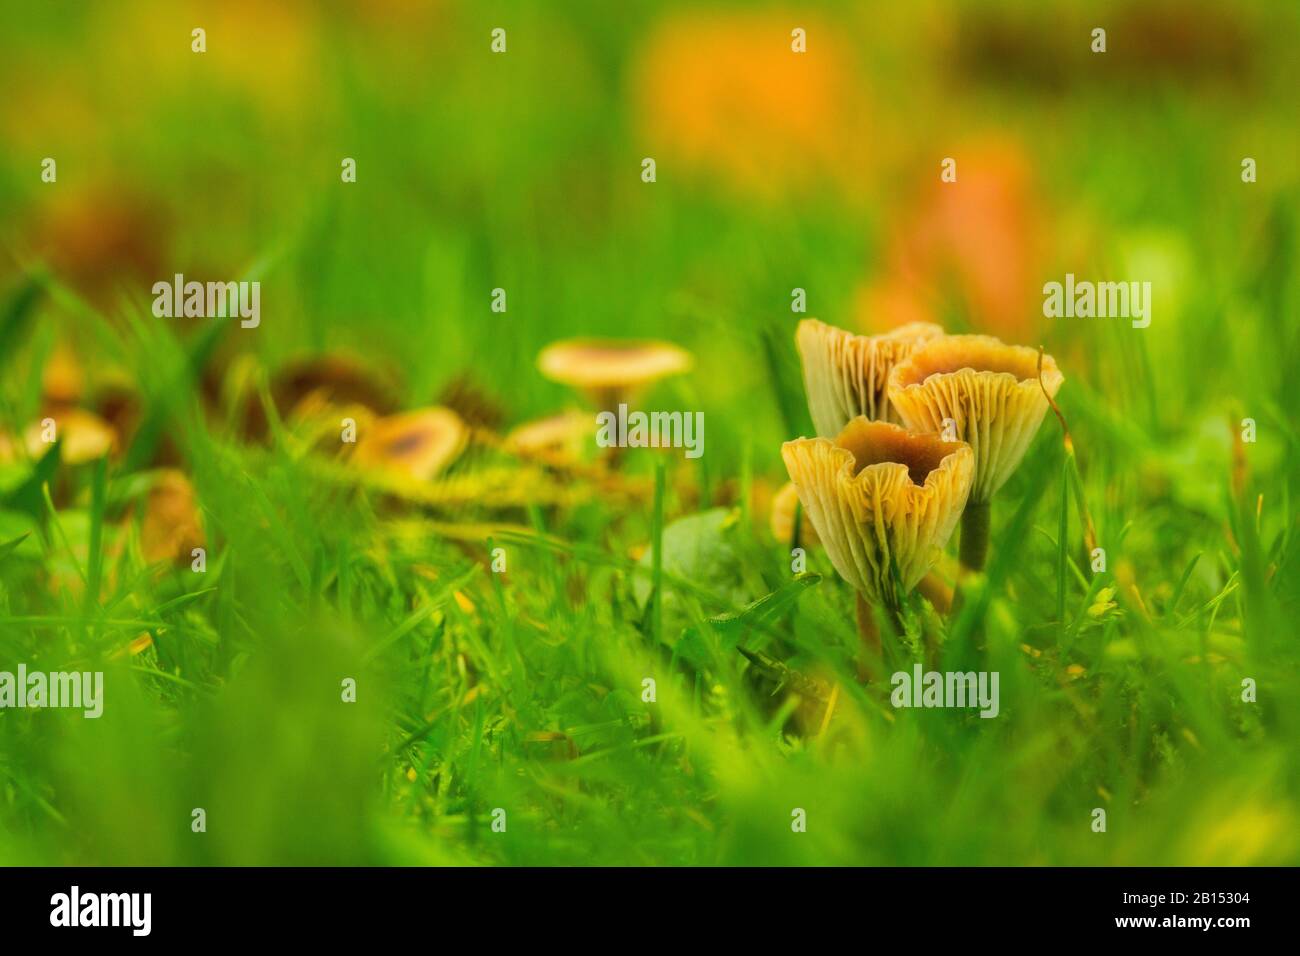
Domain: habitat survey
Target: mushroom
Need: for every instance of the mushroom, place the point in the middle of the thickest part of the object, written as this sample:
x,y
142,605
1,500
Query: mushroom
x,y
557,439
171,527
340,378
884,502
416,444
302,387
781,521
845,375
991,393
85,436
609,372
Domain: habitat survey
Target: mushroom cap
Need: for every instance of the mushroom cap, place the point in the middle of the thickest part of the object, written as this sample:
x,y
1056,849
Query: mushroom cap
x,y
781,520
342,378
611,364
171,527
417,444
989,389
879,497
561,436
84,435
845,375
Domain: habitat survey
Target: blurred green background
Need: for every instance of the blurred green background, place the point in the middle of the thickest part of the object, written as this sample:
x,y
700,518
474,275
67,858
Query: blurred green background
x,y
775,171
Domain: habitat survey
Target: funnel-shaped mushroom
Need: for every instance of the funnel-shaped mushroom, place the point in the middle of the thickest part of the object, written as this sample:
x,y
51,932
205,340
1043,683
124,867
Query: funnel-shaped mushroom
x,y
846,375
608,371
991,393
557,439
171,527
785,506
416,444
882,500
85,436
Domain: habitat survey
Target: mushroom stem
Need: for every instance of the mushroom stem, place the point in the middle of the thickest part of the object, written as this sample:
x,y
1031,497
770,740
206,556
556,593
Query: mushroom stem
x,y
867,627
936,591
869,630
974,535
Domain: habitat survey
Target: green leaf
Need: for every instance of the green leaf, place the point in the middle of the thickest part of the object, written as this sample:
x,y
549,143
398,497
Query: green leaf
x,y
767,607
16,318
26,495
703,549
10,546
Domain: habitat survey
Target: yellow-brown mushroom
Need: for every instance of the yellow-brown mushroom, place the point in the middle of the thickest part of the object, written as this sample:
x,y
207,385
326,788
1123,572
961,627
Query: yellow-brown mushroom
x,y
610,371
883,501
845,375
171,527
84,436
785,504
416,444
986,393
557,439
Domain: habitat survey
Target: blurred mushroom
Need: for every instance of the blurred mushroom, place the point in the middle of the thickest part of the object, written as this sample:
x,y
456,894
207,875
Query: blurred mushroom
x,y
416,444
472,403
609,372
785,505
991,393
301,386
884,503
83,435
99,238
556,439
63,380
341,379
845,375
170,528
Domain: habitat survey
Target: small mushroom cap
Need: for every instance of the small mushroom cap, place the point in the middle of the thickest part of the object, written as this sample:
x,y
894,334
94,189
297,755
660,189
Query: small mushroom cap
x,y
63,380
560,436
341,378
781,522
881,497
845,375
416,444
990,391
84,436
600,365
171,527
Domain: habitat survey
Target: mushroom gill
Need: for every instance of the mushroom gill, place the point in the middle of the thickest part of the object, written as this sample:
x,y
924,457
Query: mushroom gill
x,y
846,375
990,392
881,499
992,395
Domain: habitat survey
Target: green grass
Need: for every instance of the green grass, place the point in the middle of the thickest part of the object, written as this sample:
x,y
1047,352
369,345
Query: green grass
x,y
1120,690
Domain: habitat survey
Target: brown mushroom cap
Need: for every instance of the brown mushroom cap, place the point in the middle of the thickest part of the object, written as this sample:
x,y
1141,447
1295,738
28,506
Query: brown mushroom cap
x,y
781,520
880,496
561,436
171,527
989,389
341,378
607,368
416,444
84,436
845,375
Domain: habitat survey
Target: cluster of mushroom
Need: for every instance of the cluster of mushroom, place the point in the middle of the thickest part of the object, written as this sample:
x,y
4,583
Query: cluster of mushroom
x,y
916,431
